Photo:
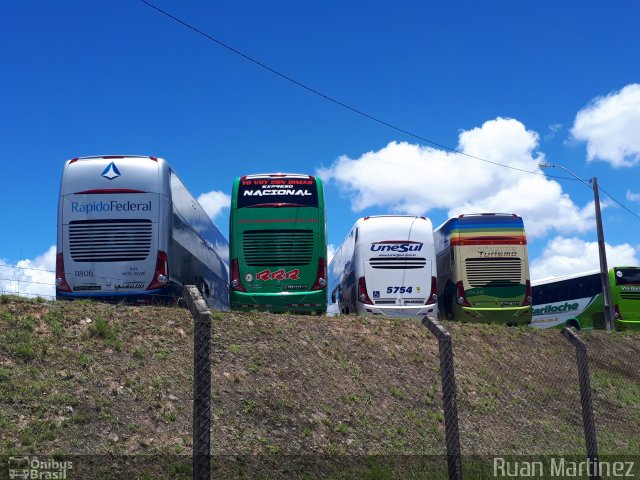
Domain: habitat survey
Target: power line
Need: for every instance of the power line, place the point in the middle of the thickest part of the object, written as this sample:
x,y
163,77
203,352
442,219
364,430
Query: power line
x,y
335,101
355,110
589,185
620,204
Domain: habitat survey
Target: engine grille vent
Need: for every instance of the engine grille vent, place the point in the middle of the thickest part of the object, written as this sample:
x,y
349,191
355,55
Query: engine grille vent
x,y
396,263
109,240
630,295
495,272
263,248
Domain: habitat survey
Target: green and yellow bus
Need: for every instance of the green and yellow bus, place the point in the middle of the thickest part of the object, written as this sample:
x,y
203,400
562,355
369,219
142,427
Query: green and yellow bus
x,y
577,300
277,242
483,269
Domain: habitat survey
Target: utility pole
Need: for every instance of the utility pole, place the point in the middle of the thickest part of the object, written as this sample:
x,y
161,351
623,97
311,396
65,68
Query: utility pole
x,y
604,270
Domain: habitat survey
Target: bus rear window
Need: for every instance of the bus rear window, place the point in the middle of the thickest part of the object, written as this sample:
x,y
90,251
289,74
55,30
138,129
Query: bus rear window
x,y
277,192
627,276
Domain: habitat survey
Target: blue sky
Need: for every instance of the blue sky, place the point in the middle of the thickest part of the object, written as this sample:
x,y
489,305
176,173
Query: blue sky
x,y
511,82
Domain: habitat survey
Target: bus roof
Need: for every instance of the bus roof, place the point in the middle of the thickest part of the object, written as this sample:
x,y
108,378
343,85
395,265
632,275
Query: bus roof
x,y
394,227
111,157
113,174
394,216
560,278
481,229
278,175
480,218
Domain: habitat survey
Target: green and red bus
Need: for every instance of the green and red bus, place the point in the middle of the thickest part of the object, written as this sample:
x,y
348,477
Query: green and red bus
x,y
278,246
577,300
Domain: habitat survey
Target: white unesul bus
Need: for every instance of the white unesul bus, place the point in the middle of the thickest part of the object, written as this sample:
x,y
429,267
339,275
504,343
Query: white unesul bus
x,y
129,229
385,266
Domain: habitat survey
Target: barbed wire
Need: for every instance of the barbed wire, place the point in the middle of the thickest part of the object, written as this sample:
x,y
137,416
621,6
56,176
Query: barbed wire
x,y
98,277
19,280
27,294
28,268
103,294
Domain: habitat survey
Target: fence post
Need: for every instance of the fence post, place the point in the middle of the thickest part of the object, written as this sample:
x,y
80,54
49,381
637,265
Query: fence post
x,y
588,421
448,380
201,383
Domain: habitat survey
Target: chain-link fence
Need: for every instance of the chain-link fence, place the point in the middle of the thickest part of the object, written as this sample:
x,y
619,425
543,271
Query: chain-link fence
x,y
102,386
201,383
149,392
557,428
449,397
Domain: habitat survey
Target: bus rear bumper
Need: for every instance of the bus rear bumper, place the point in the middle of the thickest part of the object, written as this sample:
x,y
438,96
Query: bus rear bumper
x,y
144,296
505,316
627,325
430,310
308,302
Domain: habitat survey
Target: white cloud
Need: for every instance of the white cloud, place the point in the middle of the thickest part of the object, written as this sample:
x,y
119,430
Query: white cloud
x,y
633,197
413,179
553,131
30,277
609,125
214,202
564,256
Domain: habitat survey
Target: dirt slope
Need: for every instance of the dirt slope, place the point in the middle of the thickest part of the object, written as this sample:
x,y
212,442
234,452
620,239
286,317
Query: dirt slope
x,y
90,378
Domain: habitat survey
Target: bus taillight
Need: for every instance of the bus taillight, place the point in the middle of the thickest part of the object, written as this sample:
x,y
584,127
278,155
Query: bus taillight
x,y
363,296
160,277
528,296
61,280
433,296
461,299
321,277
236,283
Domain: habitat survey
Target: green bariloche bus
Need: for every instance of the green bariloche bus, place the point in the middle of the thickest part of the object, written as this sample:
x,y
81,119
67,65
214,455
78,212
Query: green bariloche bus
x,y
483,269
277,241
577,300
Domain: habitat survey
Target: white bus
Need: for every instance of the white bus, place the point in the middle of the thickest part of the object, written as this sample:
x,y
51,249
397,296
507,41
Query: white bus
x,y
129,229
385,266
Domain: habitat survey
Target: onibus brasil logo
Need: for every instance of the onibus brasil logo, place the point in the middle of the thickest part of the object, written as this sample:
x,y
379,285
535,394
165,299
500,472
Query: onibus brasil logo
x,y
34,467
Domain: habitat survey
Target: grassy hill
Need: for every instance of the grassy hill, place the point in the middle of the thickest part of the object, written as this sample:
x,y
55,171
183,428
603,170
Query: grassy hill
x,y
86,378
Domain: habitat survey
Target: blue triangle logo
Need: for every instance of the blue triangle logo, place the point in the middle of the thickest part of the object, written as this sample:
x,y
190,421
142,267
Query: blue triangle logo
x,y
111,171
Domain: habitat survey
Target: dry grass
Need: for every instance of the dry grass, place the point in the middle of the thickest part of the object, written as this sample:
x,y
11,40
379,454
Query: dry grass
x,y
92,378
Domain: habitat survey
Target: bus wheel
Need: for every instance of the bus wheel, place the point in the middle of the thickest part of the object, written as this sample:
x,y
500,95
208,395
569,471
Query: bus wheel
x,y
573,324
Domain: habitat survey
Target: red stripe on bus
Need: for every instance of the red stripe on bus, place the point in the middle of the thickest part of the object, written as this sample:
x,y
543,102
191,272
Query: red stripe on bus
x,y
487,241
109,191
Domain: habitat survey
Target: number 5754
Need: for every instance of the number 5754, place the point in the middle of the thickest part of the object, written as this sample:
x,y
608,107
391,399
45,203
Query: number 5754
x,y
399,289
